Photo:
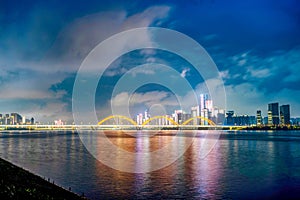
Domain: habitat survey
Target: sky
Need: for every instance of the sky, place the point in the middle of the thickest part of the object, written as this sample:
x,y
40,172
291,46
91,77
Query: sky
x,y
254,44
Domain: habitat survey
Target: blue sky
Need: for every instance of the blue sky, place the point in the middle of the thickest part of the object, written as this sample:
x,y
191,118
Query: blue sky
x,y
255,45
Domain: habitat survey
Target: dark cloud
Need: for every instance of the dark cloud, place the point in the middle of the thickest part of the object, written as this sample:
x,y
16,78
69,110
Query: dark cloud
x,y
269,73
255,44
243,25
66,87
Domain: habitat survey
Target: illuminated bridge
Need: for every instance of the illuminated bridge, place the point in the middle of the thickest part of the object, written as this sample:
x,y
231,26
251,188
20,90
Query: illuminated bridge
x,y
121,122
169,123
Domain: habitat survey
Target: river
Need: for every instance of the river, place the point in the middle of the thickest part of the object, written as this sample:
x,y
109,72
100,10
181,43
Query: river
x,y
241,165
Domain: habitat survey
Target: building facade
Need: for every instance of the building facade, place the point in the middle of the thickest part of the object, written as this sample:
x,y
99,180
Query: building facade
x,y
273,114
258,118
285,116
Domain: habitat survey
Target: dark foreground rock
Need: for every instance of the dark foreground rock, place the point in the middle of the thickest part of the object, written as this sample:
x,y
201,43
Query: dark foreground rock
x,y
17,183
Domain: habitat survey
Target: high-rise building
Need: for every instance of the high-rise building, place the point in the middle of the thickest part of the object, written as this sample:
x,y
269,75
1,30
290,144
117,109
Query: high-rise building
x,y
229,118
265,120
32,120
206,108
195,111
16,118
285,114
204,114
203,99
244,120
209,104
146,115
139,119
220,118
23,120
185,117
167,122
258,118
273,114
178,116
270,119
7,119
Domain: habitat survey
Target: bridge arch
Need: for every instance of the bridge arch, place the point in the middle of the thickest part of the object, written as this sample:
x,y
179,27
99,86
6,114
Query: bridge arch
x,y
160,117
117,116
156,117
199,117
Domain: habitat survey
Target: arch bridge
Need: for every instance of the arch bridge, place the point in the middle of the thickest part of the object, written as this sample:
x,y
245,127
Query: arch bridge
x,y
147,122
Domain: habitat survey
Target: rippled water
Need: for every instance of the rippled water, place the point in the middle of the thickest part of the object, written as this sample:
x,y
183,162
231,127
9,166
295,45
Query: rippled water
x,y
242,165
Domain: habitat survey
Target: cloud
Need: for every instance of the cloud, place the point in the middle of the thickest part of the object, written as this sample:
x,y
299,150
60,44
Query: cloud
x,y
259,80
148,52
19,93
155,97
248,67
141,101
146,71
146,98
210,37
32,60
184,72
80,37
28,79
115,71
43,110
260,73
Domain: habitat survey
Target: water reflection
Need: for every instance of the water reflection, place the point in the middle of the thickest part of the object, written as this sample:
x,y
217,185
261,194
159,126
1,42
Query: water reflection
x,y
138,152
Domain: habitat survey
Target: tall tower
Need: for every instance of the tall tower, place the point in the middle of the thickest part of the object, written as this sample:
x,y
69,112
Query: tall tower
x,y
285,114
206,106
258,118
139,119
203,99
195,111
146,115
273,114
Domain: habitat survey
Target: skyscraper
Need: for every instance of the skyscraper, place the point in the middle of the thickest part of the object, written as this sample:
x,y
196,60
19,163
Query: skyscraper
x,y
221,117
178,116
139,119
203,99
285,114
258,118
32,120
273,114
16,118
195,111
206,106
146,115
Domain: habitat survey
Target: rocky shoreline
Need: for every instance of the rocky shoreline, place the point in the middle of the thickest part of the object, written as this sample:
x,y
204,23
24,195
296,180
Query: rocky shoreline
x,y
17,183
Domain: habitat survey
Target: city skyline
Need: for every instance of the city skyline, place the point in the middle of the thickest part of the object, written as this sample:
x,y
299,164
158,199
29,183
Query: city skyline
x,y
277,114
256,49
220,116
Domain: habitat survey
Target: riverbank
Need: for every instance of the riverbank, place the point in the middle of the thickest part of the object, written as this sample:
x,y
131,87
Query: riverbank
x,y
17,183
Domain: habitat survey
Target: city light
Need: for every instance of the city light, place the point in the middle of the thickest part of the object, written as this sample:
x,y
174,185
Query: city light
x,y
199,115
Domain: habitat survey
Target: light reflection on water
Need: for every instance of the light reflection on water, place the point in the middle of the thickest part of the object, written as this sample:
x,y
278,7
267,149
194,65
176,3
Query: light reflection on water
x,y
241,165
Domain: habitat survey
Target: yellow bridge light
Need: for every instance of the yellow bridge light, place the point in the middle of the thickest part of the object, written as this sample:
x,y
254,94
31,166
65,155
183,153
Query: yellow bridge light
x,y
117,116
156,117
160,117
199,117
